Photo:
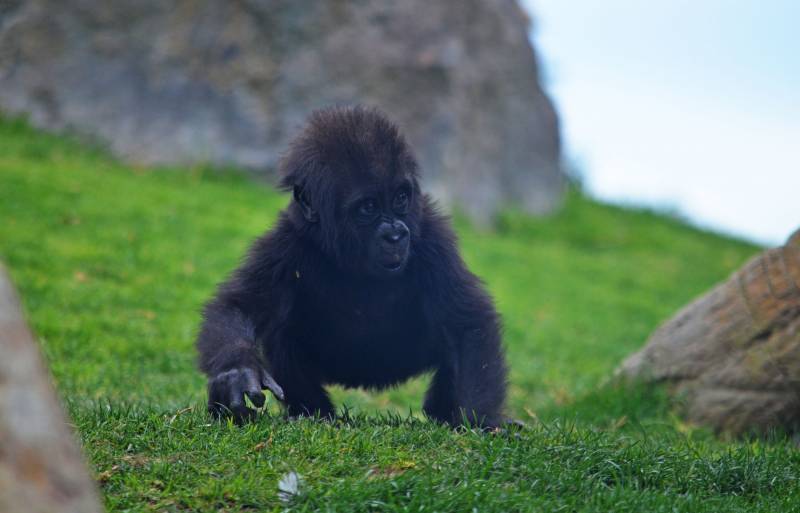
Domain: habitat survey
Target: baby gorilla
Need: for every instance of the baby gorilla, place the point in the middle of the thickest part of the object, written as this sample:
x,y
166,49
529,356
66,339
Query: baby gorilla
x,y
360,283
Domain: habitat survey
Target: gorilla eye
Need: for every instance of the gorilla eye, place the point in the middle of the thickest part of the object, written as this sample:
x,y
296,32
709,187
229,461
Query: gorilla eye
x,y
368,208
401,201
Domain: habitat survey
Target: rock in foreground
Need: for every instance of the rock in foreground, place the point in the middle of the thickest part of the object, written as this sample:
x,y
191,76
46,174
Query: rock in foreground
x,y
733,355
41,470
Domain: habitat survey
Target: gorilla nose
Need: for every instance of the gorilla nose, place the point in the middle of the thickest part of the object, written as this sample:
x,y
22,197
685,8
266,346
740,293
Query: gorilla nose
x,y
394,233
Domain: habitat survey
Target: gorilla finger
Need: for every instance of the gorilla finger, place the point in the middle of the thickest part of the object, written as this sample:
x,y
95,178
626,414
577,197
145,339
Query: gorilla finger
x,y
218,410
214,409
236,395
515,424
242,414
270,384
216,400
252,387
256,397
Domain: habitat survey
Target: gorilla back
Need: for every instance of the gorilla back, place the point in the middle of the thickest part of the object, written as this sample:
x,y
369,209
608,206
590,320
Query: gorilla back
x,y
360,283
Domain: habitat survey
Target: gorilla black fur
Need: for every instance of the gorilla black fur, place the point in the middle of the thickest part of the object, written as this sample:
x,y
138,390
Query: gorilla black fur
x,y
360,283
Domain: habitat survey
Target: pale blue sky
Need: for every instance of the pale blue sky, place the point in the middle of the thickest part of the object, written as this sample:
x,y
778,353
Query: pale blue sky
x,y
692,106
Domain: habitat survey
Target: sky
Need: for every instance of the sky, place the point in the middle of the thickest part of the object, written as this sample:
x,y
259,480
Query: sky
x,y
692,107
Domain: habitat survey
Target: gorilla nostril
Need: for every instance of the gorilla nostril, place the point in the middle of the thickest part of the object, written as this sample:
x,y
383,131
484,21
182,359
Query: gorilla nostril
x,y
395,236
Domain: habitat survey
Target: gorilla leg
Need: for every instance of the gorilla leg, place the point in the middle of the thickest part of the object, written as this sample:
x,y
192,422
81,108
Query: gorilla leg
x,y
303,393
305,398
470,386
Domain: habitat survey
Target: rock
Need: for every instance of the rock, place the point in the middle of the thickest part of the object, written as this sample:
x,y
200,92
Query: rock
x,y
733,355
41,469
229,82
794,239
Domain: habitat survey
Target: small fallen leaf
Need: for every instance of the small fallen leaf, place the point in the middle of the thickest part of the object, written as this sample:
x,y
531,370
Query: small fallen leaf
x,y
390,471
104,476
289,486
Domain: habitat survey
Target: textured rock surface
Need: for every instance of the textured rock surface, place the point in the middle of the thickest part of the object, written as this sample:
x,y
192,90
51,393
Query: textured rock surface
x,y
733,354
41,469
228,81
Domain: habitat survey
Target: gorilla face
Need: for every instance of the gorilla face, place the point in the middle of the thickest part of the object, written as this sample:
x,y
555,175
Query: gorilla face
x,y
368,226
384,234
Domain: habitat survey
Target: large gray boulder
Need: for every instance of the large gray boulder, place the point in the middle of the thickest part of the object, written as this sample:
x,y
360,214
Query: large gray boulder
x,y
733,355
228,82
41,468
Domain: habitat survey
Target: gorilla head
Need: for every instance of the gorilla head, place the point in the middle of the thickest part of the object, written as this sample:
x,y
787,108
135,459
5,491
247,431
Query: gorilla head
x,y
355,187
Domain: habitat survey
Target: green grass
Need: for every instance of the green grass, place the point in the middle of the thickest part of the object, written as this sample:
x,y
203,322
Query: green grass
x,y
114,262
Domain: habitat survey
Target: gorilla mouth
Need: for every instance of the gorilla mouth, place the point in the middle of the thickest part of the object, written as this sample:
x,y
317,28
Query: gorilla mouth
x,y
393,266
393,262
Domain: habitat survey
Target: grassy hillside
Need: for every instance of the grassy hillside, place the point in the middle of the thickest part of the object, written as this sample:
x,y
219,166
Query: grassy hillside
x,y
114,262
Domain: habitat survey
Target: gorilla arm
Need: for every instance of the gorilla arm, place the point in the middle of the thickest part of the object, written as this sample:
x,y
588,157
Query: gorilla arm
x,y
470,383
229,352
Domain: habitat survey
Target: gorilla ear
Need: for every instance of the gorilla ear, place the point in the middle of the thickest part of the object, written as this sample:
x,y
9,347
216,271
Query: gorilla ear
x,y
305,205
